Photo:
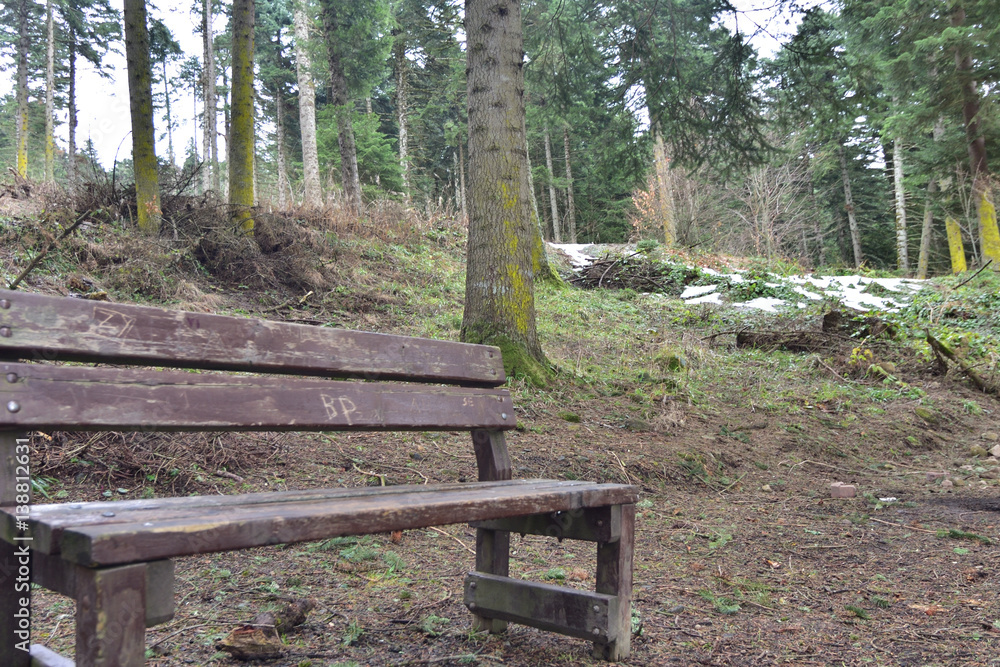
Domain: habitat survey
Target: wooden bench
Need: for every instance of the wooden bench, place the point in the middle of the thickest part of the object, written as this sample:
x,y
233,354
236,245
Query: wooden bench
x,y
114,558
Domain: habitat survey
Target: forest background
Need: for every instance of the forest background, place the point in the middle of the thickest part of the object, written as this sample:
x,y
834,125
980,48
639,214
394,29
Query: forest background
x,y
852,144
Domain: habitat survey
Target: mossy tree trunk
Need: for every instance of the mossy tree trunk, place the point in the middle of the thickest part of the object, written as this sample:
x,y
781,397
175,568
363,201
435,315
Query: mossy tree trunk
x,y
313,195
140,92
989,234
21,94
503,256
926,230
349,178
241,130
955,246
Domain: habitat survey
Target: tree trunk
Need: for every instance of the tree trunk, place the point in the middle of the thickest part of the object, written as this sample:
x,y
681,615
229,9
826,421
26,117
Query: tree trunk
x,y
923,259
570,205
902,251
170,122
211,128
499,291
664,196
955,247
344,110
283,186
461,178
988,232
241,128
313,196
23,46
50,84
140,93
556,231
71,103
399,63
852,221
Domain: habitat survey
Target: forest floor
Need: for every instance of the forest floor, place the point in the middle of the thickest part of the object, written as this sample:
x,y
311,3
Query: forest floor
x,y
742,555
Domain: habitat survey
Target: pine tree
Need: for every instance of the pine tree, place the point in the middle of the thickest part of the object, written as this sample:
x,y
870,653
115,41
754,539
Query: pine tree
x,y
147,187
241,130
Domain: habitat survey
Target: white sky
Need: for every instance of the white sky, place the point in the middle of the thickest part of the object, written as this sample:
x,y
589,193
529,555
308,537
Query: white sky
x,y
103,104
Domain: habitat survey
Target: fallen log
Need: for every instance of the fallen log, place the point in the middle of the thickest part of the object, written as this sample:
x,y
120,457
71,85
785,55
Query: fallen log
x,y
981,383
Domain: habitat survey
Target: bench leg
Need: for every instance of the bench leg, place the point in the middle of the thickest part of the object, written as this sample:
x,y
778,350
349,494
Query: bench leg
x,y
492,557
614,577
111,617
13,632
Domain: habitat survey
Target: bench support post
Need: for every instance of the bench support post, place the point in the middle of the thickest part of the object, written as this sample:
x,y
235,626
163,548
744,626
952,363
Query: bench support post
x,y
614,577
11,576
111,616
492,546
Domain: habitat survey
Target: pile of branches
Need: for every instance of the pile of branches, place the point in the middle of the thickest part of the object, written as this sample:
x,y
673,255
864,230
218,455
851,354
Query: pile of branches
x,y
636,272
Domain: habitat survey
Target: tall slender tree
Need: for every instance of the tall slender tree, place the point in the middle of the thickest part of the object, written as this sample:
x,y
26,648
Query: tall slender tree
x,y
312,195
50,93
140,93
241,129
23,47
210,131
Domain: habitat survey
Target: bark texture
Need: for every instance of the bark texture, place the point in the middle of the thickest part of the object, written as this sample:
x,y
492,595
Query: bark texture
x,y
50,84
664,195
140,92
241,129
570,204
71,103
556,231
345,132
902,252
211,139
502,257
402,91
955,247
852,221
926,229
23,45
313,196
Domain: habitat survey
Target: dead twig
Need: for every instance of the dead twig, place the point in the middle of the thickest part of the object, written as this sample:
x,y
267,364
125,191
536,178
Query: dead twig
x,y
899,525
446,534
52,244
981,269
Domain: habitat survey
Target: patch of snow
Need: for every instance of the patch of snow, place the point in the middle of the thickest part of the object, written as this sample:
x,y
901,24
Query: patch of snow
x,y
762,303
807,294
714,297
697,290
575,251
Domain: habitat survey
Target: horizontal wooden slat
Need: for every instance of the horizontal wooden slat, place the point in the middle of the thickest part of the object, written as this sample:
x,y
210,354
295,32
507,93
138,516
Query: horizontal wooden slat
x,y
597,524
557,608
46,522
43,657
42,327
41,396
368,511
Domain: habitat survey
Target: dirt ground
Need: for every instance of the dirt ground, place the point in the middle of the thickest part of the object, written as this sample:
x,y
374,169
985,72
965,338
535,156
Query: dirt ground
x,y
742,556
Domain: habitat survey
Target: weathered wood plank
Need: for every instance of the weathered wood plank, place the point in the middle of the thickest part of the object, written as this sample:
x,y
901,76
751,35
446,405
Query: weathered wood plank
x,y
46,522
110,617
37,396
63,577
601,524
556,608
43,657
48,328
277,523
492,546
614,577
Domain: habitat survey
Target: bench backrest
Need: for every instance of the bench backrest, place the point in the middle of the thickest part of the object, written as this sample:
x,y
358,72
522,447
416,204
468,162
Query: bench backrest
x,y
42,328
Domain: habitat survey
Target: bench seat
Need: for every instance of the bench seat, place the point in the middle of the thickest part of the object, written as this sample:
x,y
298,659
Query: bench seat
x,y
98,534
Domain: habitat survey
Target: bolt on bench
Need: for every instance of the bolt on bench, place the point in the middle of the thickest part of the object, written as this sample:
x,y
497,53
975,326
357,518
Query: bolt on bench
x,y
114,558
